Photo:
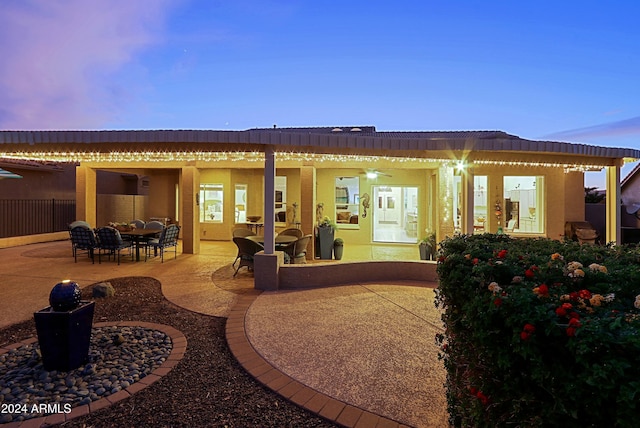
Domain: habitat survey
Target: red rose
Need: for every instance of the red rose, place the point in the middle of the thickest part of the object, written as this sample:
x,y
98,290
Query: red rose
x,y
574,322
502,254
524,335
498,302
483,398
573,295
571,331
475,261
561,312
584,294
529,328
574,315
543,289
529,273
567,306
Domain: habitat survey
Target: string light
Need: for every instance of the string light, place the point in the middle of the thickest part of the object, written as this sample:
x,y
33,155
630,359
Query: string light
x,y
124,157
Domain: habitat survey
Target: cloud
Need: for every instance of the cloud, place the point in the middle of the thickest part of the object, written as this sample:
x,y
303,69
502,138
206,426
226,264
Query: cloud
x,y
618,128
59,59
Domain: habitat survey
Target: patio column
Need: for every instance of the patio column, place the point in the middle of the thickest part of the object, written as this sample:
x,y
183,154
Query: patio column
x,y
266,264
86,195
190,216
613,233
307,213
467,198
269,200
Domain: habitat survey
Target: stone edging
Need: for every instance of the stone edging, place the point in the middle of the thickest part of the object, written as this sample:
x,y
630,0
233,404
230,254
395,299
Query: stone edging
x,y
179,347
336,411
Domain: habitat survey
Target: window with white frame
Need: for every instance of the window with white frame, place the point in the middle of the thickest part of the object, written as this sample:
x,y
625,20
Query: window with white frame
x,y
523,204
347,202
211,203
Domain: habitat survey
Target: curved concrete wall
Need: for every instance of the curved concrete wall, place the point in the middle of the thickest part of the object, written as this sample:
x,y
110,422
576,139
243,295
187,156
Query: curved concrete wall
x,y
324,275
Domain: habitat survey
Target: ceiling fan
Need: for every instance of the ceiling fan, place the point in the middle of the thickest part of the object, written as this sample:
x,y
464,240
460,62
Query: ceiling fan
x,y
374,173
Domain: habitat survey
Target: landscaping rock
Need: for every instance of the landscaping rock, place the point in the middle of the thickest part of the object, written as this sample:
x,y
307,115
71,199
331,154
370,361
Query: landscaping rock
x,y
103,289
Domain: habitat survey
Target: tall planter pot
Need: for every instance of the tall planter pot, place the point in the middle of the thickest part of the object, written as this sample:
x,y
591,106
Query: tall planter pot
x,y
64,336
325,242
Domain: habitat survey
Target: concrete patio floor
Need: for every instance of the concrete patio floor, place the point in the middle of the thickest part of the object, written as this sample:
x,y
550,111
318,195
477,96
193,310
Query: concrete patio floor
x,y
369,345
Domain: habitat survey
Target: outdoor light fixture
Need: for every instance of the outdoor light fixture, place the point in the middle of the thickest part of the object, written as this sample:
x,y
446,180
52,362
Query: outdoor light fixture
x,y
372,175
460,166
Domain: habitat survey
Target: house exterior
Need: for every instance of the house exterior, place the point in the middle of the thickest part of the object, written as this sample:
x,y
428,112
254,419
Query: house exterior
x,y
379,187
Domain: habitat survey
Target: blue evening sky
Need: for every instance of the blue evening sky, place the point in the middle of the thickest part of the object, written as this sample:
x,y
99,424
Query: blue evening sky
x,y
551,70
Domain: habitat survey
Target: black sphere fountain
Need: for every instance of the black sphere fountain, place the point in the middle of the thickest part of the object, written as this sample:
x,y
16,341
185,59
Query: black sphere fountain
x,y
64,328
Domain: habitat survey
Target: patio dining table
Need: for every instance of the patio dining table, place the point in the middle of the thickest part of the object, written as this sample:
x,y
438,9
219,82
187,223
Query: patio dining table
x,y
138,236
280,240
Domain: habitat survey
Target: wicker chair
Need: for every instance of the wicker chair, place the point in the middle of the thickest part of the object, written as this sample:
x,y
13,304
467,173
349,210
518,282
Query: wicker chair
x,y
110,242
292,232
297,251
246,250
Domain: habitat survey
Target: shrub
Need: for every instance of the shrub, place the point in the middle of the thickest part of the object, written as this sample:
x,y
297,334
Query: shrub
x,y
539,332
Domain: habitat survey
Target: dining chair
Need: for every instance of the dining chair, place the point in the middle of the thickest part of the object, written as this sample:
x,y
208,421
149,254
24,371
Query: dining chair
x,y
168,239
83,239
246,249
241,232
297,251
138,223
76,224
110,242
154,225
292,232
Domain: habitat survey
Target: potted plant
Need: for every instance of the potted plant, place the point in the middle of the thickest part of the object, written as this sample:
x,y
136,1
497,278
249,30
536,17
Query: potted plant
x,y
338,248
428,246
326,230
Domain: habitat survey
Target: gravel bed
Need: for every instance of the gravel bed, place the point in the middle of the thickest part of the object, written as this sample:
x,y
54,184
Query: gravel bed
x,y
208,388
118,357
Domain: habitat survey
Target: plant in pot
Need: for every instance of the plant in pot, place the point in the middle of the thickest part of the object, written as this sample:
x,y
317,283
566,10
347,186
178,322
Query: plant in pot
x,y
338,248
428,246
326,230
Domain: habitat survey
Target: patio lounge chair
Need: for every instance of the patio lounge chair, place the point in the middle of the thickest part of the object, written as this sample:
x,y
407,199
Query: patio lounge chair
x,y
292,232
110,242
83,239
246,250
168,239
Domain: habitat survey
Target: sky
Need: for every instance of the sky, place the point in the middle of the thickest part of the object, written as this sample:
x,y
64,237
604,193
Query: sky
x,y
546,70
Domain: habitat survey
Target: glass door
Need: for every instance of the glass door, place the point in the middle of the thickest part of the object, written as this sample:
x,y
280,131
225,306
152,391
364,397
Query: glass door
x,y
395,214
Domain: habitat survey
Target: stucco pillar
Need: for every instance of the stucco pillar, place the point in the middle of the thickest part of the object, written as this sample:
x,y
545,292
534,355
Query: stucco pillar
x,y
613,204
189,204
307,211
269,200
86,195
467,198
266,264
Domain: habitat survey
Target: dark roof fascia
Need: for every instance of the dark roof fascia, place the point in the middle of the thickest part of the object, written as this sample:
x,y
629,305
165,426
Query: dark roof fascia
x,y
488,141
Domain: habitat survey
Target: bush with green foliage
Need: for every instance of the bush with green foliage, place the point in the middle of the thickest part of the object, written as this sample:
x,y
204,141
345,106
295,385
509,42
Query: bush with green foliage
x,y
539,332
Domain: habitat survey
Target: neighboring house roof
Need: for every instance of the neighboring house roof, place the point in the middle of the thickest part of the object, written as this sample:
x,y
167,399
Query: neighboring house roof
x,y
628,178
323,139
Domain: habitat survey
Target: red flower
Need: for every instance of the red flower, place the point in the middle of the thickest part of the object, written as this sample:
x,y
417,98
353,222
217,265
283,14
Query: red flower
x,y
502,254
574,315
483,398
543,289
561,312
584,294
567,306
574,322
529,328
498,302
529,273
573,295
571,331
475,261
524,335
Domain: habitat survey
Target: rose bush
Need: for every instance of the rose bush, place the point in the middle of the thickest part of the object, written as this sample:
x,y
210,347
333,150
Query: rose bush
x,y
539,332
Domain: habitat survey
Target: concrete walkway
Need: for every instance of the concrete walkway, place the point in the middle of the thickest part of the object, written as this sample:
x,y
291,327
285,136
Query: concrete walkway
x,y
361,355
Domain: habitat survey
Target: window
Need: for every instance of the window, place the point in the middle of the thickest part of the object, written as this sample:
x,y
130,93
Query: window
x,y
480,196
211,203
523,204
241,203
281,199
347,202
